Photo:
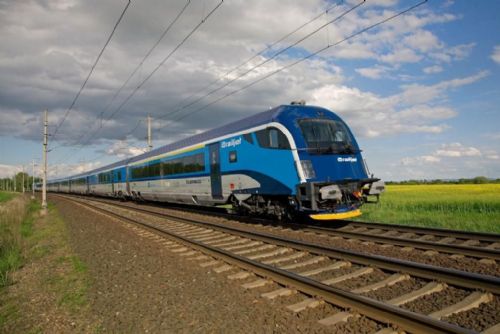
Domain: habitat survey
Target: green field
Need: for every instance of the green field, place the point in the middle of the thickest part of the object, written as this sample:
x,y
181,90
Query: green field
x,y
5,196
470,207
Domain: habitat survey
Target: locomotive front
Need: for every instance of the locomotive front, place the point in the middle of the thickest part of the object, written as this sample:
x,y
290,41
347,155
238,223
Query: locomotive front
x,y
335,178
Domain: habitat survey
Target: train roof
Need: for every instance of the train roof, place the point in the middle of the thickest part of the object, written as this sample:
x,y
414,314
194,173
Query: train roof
x,y
271,115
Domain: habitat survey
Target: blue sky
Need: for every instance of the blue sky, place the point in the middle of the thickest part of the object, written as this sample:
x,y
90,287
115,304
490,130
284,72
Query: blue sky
x,y
421,93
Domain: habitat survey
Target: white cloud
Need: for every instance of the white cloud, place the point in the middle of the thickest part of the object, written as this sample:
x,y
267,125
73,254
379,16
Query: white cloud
x,y
413,110
433,69
405,55
452,150
449,54
9,170
372,72
496,54
423,41
122,149
452,160
493,135
59,170
421,160
417,93
457,150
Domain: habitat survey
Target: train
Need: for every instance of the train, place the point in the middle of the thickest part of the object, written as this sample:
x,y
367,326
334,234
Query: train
x,y
292,160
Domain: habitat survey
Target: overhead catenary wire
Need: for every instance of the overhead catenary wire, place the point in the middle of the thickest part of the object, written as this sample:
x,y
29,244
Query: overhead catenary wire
x,y
134,91
203,20
269,47
65,116
123,138
267,60
146,56
359,32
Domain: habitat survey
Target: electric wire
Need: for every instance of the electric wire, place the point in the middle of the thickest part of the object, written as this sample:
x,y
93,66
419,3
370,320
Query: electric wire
x,y
267,60
146,56
56,130
203,20
164,60
125,101
273,44
359,32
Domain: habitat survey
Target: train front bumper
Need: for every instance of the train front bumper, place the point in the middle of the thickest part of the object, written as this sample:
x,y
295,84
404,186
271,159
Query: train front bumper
x,y
336,215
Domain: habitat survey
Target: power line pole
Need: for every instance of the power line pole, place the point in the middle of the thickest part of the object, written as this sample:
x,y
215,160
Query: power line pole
x,y
33,180
15,183
45,142
150,143
23,178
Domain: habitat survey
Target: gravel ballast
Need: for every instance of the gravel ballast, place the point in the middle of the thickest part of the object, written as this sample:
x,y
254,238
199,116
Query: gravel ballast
x,y
138,285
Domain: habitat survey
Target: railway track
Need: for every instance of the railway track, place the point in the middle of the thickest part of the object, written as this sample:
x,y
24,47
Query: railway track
x,y
343,278
483,246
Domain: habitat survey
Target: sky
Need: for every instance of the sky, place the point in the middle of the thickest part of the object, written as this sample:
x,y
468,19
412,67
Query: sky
x,y
421,92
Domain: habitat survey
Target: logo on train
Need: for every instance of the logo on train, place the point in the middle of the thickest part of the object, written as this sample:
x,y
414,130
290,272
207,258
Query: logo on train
x,y
231,143
348,159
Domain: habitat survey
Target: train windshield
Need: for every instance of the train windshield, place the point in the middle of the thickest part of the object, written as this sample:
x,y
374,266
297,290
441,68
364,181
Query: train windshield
x,y
327,136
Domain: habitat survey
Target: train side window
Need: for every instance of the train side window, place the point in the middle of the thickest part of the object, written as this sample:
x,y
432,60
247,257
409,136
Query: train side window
x,y
248,137
233,157
272,138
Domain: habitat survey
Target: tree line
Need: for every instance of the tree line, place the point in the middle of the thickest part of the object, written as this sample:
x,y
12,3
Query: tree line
x,y
15,183
474,180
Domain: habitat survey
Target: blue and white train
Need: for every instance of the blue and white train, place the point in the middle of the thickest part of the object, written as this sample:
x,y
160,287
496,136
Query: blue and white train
x,y
289,160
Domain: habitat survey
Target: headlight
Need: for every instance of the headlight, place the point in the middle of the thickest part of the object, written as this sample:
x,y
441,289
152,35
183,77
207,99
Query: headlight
x,y
308,169
331,192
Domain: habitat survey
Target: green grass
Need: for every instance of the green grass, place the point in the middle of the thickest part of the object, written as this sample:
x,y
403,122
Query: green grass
x,y
13,223
65,275
467,207
60,275
6,196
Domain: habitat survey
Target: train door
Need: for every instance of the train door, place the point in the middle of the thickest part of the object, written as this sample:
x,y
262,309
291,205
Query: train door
x,y
127,176
112,178
215,174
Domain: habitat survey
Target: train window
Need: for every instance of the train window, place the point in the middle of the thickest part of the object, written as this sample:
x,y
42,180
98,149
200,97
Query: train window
x,y
188,164
152,170
233,157
80,181
272,138
248,137
327,135
104,177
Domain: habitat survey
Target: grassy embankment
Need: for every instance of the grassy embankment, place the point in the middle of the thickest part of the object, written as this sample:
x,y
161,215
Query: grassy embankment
x,y
12,226
467,207
6,196
41,278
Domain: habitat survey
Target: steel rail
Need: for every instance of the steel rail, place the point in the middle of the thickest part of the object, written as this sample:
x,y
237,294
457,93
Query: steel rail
x,y
479,252
480,236
374,309
426,271
471,251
